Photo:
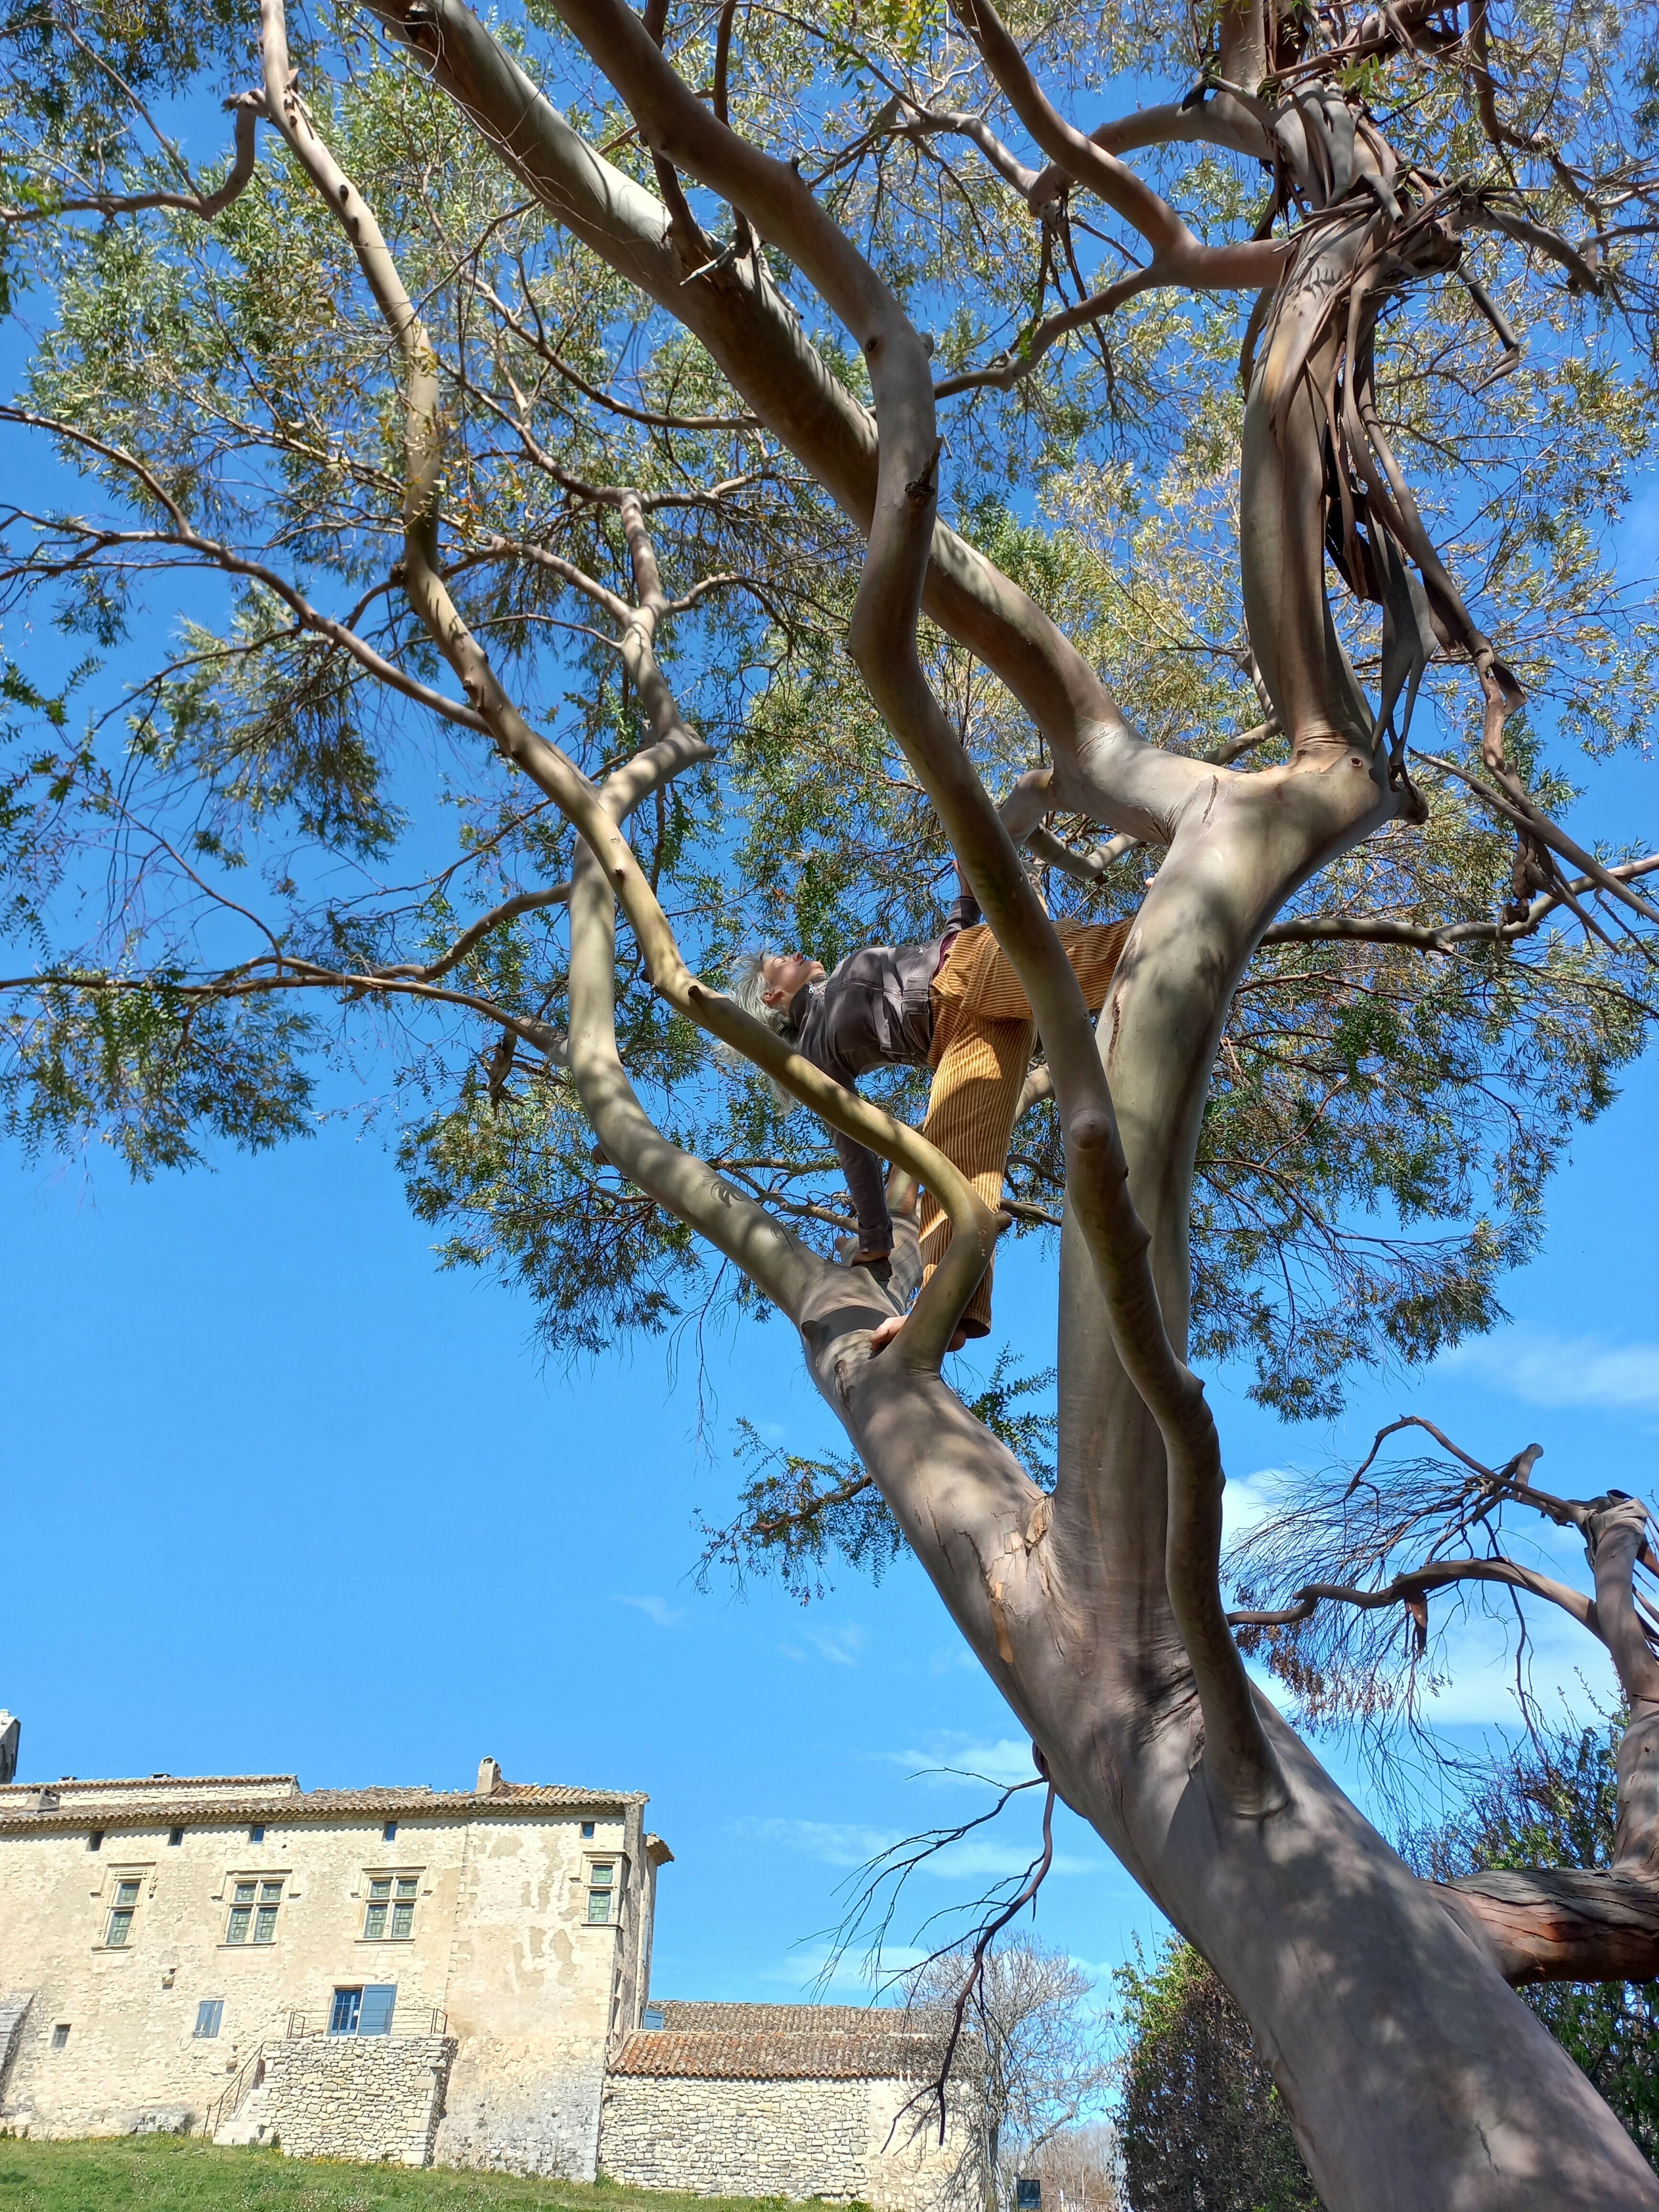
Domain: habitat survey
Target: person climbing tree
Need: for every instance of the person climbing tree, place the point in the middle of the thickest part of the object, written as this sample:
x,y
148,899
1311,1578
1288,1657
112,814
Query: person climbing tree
x,y
953,1004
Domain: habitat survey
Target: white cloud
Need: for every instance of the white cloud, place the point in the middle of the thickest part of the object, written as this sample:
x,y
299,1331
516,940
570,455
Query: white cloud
x,y
657,1609
851,1981
1250,1498
842,1647
851,1843
837,1843
959,1760
1545,1369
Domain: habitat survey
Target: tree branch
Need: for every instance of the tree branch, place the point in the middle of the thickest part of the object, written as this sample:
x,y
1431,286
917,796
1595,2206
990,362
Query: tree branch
x,y
246,106
883,640
1432,1575
1185,258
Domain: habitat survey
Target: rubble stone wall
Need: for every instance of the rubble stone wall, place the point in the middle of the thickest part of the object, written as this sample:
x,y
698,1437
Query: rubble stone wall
x,y
834,2139
361,2097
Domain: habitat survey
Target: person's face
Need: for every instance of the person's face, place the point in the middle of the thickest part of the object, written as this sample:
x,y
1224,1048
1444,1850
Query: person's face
x,y
785,973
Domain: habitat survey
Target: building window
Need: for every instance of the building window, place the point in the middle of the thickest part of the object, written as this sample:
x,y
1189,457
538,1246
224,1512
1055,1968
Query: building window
x,y
601,1891
95,1840
651,2018
60,2035
175,1836
120,1918
253,1912
390,1912
256,1834
389,1833
208,2014
366,2011
587,1830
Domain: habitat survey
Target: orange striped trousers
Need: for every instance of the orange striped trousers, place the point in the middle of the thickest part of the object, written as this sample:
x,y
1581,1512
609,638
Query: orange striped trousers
x,y
983,1034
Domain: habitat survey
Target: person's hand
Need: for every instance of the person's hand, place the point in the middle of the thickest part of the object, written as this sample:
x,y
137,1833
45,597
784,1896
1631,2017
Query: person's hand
x,y
881,1337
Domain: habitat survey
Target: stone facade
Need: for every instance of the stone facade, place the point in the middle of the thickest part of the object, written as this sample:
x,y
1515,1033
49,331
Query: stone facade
x,y
511,1922
347,2097
418,1977
781,2100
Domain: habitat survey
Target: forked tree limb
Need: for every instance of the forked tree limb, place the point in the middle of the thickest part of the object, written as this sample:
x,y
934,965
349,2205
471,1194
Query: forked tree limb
x,y
1185,259
883,641
758,344
974,1226
247,107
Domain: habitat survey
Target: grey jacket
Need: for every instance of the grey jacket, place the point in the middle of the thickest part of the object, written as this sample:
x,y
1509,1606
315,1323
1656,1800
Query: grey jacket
x,y
873,1011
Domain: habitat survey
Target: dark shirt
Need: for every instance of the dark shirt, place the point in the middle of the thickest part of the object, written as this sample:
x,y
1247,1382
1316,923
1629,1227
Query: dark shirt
x,y
873,1011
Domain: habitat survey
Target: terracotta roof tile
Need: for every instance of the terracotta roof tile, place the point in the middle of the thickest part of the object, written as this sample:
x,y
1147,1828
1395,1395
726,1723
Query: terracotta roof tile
x,y
780,2043
25,1811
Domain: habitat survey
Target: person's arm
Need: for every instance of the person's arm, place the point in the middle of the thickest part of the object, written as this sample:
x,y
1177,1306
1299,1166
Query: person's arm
x,y
866,1180
866,1177
964,907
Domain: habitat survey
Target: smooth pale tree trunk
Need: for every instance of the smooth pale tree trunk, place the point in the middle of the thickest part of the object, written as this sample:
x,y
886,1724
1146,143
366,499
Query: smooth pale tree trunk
x,y
1413,2075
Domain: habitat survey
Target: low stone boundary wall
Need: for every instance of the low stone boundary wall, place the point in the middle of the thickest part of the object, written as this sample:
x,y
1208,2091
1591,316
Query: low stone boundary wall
x,y
361,2097
738,2138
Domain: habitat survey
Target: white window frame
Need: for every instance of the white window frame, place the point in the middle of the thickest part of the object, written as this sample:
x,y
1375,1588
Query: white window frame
x,y
256,1881
416,1877
614,1889
108,1894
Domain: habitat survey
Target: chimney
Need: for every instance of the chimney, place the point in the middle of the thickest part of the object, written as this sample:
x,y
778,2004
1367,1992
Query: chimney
x,y
10,1730
490,1777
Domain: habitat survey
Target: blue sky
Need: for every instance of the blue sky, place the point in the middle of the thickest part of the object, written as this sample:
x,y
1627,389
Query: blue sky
x,y
280,1495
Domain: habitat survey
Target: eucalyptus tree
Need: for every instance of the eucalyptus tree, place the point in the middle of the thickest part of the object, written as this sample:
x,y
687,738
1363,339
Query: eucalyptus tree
x,y
696,465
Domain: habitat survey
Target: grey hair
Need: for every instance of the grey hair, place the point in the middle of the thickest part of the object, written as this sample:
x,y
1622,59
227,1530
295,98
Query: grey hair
x,y
749,987
749,992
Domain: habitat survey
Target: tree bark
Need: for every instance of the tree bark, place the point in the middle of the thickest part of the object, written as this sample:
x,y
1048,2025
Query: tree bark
x,y
1413,2075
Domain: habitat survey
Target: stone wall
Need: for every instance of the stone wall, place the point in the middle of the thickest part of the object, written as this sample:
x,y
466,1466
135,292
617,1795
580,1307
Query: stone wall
x,y
358,2097
831,2139
524,2105
501,1946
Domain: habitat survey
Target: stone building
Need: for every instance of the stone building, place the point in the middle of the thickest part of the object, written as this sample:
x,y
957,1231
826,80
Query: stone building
x,y
781,2100
421,1976
405,1973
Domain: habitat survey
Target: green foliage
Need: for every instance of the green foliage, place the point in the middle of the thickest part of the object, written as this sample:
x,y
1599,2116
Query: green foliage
x,y
243,797
1202,2127
798,1516
1556,1805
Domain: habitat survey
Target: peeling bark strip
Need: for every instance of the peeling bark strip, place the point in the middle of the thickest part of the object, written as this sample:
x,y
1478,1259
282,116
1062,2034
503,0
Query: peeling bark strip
x,y
1098,1612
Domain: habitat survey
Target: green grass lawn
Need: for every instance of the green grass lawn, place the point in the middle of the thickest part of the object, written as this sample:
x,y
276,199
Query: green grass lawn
x,y
166,2173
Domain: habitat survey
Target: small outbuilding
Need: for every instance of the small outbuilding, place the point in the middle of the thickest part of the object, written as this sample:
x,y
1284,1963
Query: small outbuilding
x,y
828,2101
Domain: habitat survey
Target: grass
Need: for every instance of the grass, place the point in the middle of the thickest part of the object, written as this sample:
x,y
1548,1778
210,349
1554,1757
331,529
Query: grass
x,y
169,2173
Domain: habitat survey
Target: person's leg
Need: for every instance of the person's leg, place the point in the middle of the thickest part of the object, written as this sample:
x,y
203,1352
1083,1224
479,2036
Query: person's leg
x,y
1094,949
977,1080
983,1033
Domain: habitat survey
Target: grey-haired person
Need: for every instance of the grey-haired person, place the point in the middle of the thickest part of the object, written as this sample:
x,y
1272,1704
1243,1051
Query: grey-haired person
x,y
952,1004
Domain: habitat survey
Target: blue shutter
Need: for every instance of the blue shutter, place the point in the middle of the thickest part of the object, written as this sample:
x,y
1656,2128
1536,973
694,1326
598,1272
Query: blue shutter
x,y
376,2016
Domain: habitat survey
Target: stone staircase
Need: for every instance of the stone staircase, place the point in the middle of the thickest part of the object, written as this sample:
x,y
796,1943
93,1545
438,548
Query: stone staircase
x,y
13,2007
243,2114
